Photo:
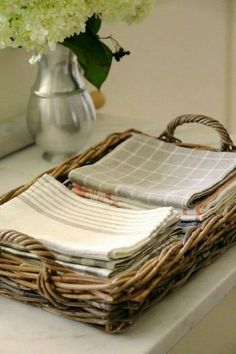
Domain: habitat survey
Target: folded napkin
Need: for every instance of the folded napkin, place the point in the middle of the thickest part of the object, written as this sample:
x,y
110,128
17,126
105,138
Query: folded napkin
x,y
77,228
109,198
104,268
217,201
146,170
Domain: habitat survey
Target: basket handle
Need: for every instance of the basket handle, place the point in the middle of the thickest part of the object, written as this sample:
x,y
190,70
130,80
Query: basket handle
x,y
44,284
30,244
168,135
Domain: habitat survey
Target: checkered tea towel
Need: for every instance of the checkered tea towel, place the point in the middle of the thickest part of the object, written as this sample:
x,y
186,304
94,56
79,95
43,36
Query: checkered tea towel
x,y
148,171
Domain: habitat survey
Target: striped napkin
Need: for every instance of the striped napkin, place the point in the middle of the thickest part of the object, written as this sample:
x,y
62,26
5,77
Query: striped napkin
x,y
146,172
85,235
217,201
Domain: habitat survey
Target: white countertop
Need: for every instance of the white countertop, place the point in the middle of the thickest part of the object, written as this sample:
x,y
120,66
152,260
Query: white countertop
x,y
28,330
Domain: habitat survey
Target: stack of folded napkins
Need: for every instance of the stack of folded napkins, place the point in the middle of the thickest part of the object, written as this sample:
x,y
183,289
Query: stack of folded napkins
x,y
125,208
86,235
144,173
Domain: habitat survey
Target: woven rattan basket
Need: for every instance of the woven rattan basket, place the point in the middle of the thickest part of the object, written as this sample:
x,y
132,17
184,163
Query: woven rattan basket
x,y
113,304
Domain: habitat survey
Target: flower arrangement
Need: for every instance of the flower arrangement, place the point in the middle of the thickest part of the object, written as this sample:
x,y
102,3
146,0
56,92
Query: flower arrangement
x,y
37,25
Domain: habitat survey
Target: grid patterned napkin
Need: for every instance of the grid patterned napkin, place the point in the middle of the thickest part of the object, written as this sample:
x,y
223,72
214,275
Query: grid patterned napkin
x,y
147,170
84,233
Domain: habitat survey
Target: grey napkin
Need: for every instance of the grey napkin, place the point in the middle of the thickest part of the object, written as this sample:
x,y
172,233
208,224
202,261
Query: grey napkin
x,y
148,170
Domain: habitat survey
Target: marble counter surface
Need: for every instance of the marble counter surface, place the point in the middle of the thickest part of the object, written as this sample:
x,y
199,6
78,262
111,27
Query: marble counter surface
x,y
28,330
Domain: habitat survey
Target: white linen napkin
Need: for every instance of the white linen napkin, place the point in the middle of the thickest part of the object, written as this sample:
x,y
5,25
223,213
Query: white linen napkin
x,y
78,227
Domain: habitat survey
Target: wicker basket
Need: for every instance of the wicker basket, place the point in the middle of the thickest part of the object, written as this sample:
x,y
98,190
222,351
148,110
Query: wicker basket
x,y
113,304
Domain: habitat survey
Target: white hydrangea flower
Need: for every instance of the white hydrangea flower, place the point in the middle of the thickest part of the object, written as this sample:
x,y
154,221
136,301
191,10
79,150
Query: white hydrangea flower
x,y
39,24
121,10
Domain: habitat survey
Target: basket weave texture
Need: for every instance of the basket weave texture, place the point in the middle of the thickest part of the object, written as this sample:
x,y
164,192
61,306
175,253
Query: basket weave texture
x,y
113,304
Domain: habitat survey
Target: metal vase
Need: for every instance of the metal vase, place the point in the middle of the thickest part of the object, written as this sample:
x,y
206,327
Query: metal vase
x,y
60,112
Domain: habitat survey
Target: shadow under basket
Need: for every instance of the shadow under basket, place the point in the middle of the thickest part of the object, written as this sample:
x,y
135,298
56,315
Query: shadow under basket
x,y
113,304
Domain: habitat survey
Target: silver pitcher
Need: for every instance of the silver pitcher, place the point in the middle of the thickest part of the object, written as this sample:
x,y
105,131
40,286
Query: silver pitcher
x,y
60,112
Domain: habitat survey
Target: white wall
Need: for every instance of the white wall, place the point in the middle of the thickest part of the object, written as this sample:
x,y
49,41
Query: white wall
x,y
178,64
16,77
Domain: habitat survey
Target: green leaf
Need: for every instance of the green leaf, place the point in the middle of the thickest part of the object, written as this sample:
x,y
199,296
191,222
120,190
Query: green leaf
x,y
93,24
93,55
